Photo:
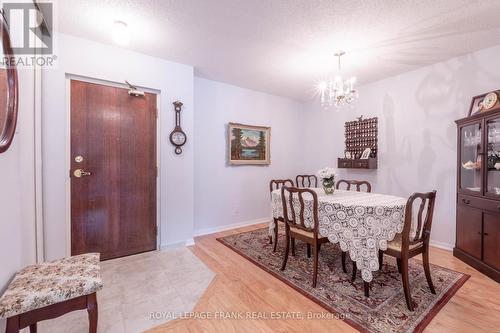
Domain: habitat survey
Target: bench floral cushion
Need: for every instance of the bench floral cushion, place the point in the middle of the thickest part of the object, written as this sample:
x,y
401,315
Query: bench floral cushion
x,y
37,286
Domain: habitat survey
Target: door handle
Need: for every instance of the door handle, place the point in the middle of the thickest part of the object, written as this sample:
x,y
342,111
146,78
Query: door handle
x,y
79,173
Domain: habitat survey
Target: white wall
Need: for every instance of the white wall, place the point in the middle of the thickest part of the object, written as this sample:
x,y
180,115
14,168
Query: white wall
x,y
228,195
17,201
417,144
104,62
417,133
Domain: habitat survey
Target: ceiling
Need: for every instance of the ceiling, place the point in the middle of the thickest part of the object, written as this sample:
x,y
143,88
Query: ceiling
x,y
285,47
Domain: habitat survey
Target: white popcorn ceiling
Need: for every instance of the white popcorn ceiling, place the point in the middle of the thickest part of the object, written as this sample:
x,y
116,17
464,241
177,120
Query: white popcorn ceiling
x,y
284,47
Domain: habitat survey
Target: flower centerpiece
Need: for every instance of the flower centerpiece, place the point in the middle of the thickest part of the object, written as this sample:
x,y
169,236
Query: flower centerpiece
x,y
327,176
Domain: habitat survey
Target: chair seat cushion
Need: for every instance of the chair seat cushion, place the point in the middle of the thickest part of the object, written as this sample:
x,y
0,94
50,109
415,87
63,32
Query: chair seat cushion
x,y
396,243
309,234
37,286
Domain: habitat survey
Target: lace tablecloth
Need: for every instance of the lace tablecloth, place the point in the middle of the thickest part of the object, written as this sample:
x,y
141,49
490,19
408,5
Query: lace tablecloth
x,y
362,223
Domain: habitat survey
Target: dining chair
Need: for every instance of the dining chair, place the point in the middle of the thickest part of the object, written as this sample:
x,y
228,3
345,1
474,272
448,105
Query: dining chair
x,y
276,184
296,227
306,181
414,240
358,184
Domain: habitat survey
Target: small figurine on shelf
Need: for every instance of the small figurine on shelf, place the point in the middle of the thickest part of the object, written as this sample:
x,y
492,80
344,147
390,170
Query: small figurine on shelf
x,y
366,154
472,165
493,159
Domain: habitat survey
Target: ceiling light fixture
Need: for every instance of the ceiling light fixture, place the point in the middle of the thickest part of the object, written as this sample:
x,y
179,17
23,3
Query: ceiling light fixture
x,y
120,33
337,92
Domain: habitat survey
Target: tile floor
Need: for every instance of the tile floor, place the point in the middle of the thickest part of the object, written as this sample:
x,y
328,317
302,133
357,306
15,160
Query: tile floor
x,y
167,283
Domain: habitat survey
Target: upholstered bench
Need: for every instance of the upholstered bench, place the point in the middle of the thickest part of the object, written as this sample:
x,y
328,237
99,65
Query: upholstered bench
x,y
49,290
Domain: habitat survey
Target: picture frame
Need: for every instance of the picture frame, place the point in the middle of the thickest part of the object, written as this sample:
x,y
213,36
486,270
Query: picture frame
x,y
9,92
366,154
348,155
249,144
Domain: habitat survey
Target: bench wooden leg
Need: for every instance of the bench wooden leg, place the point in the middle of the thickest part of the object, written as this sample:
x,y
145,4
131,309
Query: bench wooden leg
x,y
92,312
31,318
12,325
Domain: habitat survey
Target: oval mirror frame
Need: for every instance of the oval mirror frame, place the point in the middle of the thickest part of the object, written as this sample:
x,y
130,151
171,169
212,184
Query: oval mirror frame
x,y
9,128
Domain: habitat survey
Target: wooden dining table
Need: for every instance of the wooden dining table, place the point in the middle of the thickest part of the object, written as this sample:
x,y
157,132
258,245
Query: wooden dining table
x,y
362,223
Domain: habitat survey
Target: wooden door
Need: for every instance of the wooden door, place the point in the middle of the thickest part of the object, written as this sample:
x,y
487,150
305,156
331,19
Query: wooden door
x,y
113,152
469,221
491,240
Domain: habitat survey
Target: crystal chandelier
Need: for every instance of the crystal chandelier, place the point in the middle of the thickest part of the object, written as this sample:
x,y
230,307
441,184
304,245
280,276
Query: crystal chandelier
x,y
337,91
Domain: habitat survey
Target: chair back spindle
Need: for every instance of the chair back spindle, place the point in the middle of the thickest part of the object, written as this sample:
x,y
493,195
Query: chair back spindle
x,y
422,229
306,181
287,196
357,183
276,184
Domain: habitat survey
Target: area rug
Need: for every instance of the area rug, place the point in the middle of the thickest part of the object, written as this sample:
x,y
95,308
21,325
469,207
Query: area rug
x,y
384,311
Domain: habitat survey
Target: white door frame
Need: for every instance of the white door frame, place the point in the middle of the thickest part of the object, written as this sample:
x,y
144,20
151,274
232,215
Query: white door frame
x,y
157,92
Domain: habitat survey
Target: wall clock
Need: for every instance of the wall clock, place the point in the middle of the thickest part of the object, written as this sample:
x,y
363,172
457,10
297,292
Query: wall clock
x,y
490,100
178,137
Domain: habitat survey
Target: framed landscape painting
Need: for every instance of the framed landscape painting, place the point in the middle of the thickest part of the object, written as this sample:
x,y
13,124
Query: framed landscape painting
x,y
249,145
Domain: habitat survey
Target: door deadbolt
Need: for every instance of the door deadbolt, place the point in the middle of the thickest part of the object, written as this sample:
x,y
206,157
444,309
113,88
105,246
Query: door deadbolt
x,y
79,173
79,159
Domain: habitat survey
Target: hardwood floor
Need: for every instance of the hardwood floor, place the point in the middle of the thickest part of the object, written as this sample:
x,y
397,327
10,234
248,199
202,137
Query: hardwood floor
x,y
240,286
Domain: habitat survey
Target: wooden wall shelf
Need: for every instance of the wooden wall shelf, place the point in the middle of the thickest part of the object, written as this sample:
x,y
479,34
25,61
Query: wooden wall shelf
x,y
370,163
359,135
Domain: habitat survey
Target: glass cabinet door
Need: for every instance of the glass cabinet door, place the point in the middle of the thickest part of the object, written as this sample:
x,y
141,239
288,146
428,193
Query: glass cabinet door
x,y
471,158
493,153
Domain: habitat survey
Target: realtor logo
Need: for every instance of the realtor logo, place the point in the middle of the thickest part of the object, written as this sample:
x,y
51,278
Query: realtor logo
x,y
30,27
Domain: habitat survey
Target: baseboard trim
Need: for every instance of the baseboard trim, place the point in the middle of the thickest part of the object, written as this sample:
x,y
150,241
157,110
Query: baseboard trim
x,y
442,245
207,231
176,245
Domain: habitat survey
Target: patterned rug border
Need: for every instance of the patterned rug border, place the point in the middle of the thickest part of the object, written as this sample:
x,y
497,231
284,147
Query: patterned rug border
x,y
418,329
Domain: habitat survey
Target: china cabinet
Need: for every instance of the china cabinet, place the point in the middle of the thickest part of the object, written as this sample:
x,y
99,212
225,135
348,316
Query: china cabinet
x,y
478,193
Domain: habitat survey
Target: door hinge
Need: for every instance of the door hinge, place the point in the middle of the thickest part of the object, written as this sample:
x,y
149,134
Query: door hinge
x,y
156,230
156,171
156,113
